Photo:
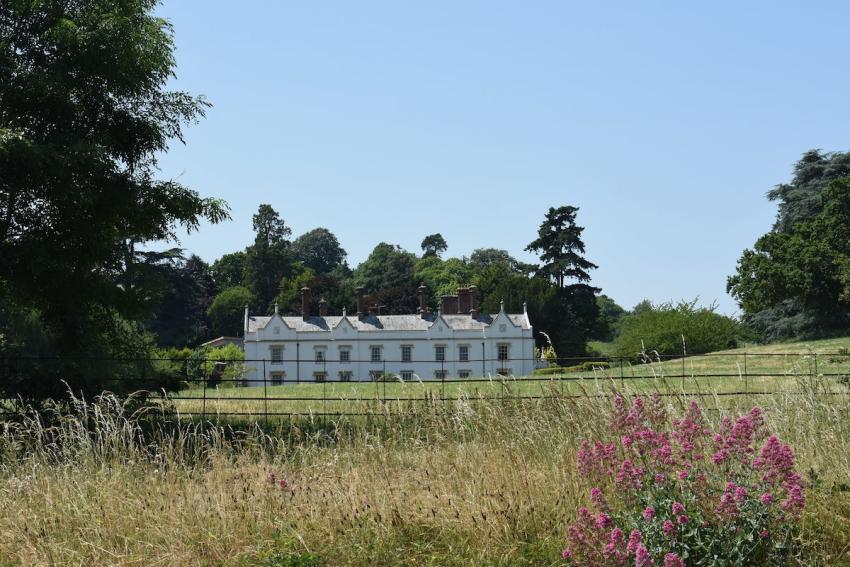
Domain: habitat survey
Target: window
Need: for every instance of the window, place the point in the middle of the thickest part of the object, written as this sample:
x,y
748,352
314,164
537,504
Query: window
x,y
440,374
276,330
375,375
406,353
503,328
407,375
504,372
345,375
463,373
375,353
344,355
463,353
277,354
440,353
503,351
320,355
320,376
277,378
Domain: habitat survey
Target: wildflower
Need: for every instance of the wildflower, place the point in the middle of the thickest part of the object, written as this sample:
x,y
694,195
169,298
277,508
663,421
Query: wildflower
x,y
598,499
668,527
673,560
603,521
616,536
271,477
634,541
682,519
766,498
648,513
629,475
283,484
642,557
659,478
678,508
740,494
566,554
795,501
763,534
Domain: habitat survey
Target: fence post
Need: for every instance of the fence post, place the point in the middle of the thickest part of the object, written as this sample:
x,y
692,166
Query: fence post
x,y
746,375
622,377
684,354
815,377
204,379
265,393
384,379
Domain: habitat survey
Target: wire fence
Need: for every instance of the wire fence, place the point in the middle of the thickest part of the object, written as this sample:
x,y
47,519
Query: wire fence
x,y
262,388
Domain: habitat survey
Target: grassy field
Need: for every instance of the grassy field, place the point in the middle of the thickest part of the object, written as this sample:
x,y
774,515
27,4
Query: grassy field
x,y
492,483
754,369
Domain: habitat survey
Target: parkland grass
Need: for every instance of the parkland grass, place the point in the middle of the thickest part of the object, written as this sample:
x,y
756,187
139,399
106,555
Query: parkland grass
x,y
485,483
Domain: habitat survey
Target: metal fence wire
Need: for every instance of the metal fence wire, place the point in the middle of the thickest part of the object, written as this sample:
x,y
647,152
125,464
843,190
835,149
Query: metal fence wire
x,y
205,388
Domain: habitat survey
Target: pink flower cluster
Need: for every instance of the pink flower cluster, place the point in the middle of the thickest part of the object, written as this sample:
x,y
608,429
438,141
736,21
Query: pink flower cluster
x,y
274,481
665,474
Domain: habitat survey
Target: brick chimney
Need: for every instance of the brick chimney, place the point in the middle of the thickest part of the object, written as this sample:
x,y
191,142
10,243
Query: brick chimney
x,y
422,292
361,302
448,305
473,301
305,303
323,308
462,299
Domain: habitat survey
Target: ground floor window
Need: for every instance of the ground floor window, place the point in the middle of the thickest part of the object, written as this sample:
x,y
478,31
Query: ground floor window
x,y
463,373
504,372
320,376
407,375
345,375
277,378
375,375
440,374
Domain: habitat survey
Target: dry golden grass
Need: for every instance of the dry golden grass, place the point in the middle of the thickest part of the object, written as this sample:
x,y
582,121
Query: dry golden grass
x,y
491,482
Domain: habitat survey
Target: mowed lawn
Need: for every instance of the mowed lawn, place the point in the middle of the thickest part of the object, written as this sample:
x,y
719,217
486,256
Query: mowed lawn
x,y
758,369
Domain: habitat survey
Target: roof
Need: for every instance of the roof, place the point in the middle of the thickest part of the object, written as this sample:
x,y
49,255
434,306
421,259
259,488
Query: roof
x,y
223,340
387,322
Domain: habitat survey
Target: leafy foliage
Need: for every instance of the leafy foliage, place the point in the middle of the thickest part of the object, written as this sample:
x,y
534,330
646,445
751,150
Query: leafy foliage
x,y
673,329
388,276
561,247
83,115
227,311
796,282
800,200
319,250
434,245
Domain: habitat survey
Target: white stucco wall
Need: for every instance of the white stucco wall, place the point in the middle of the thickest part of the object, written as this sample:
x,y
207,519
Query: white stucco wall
x,y
299,348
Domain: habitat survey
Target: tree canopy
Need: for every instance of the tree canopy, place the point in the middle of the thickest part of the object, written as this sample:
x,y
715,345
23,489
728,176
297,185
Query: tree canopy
x,y
434,245
84,113
793,282
319,250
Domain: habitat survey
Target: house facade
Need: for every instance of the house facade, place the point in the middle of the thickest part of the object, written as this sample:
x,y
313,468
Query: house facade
x,y
455,342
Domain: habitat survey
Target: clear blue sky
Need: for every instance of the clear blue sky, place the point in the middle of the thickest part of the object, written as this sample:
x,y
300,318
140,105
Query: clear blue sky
x,y
665,123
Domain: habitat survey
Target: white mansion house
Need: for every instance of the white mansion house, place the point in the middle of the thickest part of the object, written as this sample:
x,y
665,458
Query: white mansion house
x,y
454,342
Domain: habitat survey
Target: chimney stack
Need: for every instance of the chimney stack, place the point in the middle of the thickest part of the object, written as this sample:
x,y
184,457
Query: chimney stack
x,y
323,308
305,303
462,299
361,307
448,305
422,292
473,301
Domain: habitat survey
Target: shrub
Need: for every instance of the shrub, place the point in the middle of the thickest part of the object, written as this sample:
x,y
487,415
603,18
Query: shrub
x,y
685,493
662,328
